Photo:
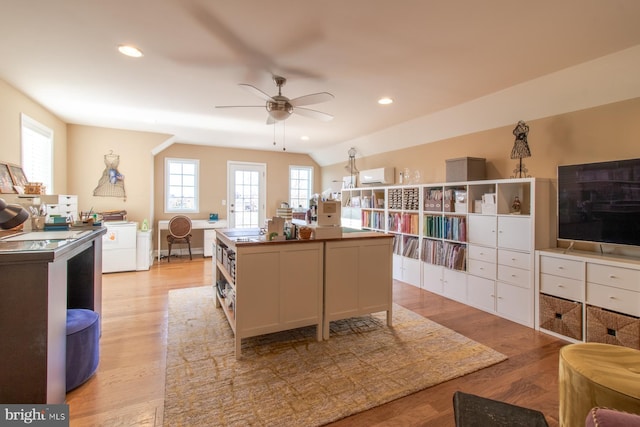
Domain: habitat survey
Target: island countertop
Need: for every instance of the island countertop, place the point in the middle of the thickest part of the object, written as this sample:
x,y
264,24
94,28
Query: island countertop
x,y
252,237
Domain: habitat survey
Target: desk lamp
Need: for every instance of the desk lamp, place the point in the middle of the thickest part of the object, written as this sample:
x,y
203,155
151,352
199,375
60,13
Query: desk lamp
x,y
11,216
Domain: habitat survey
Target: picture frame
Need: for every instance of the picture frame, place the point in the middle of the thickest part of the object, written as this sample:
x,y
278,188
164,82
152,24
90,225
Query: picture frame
x,y
18,176
6,180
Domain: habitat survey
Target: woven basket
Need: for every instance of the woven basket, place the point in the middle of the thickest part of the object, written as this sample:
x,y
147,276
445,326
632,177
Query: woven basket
x,y
561,316
609,327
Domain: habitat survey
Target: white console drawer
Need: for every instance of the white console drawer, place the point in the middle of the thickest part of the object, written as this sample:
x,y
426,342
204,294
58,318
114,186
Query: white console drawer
x,y
620,277
516,276
562,267
482,253
482,268
514,259
67,199
561,287
616,299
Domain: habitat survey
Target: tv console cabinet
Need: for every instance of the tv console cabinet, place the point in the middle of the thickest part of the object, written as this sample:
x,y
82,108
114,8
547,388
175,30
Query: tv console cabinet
x,y
586,296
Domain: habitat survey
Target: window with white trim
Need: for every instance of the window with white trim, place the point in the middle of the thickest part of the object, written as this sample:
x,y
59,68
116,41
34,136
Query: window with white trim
x,y
300,186
37,152
181,185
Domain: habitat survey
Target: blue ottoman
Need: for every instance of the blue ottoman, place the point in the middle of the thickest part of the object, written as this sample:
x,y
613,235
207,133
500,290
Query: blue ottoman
x,y
83,346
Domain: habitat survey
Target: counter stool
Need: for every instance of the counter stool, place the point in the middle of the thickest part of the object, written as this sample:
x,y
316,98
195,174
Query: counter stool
x,y
595,374
83,346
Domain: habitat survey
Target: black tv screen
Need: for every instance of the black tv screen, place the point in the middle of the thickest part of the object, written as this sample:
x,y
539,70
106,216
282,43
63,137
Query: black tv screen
x,y
600,202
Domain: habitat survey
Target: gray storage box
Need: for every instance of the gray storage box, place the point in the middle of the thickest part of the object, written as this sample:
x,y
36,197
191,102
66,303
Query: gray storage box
x,y
465,169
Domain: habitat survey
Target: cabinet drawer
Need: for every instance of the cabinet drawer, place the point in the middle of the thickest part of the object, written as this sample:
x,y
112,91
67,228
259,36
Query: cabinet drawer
x,y
561,287
562,267
616,299
516,276
482,253
620,277
514,259
67,199
482,268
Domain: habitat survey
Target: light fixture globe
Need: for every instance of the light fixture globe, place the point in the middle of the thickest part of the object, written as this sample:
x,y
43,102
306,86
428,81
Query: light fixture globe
x,y
279,108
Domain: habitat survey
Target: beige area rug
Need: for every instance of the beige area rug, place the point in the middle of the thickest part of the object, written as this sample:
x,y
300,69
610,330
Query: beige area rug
x,y
290,379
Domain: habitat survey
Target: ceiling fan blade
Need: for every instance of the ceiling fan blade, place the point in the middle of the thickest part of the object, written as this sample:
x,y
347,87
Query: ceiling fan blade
x,y
314,98
257,92
239,106
313,114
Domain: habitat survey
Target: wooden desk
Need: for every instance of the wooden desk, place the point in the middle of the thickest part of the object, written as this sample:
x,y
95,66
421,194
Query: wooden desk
x,y
40,280
196,224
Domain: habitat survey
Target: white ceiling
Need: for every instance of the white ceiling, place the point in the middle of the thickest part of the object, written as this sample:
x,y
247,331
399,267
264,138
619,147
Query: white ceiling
x,y
428,55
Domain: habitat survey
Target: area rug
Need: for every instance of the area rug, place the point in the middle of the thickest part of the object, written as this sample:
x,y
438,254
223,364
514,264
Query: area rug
x,y
290,379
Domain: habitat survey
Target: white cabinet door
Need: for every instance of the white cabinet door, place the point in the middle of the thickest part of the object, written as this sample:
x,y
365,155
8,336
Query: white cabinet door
x,y
406,270
432,278
515,303
482,230
514,232
454,285
481,293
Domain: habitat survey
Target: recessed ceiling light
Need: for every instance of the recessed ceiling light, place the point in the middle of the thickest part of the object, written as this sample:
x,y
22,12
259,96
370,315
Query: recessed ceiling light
x,y
304,138
385,101
131,51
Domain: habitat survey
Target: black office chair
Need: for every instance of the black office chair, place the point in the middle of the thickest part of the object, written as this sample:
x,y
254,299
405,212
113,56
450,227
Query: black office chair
x,y
475,411
179,232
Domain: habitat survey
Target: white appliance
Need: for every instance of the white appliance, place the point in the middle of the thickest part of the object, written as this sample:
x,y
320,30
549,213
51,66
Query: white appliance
x,y
119,246
377,176
144,250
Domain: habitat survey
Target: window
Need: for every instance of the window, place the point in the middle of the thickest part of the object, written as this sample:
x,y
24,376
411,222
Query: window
x,y
300,186
37,152
181,185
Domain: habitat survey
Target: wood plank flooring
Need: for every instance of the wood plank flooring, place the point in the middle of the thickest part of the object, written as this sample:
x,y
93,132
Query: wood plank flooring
x,y
128,388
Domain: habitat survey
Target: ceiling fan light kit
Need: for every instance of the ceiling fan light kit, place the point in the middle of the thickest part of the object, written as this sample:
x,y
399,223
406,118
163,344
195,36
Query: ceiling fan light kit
x,y
280,108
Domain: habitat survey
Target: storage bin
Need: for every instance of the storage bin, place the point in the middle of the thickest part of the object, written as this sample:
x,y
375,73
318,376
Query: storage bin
x,y
465,169
561,316
609,327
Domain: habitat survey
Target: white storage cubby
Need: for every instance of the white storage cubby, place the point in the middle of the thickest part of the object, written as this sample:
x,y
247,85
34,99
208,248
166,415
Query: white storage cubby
x,y
467,241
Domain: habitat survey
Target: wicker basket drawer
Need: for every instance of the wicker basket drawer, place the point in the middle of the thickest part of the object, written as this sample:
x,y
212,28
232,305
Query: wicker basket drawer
x,y
609,327
561,316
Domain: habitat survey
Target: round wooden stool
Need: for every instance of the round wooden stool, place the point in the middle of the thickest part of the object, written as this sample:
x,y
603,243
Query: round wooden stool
x,y
594,374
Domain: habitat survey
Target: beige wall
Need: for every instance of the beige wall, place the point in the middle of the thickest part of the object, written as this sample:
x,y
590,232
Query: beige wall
x,y
12,104
88,146
607,132
213,177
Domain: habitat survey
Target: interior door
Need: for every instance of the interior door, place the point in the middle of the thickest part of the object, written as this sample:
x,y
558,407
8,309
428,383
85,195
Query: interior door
x,y
246,194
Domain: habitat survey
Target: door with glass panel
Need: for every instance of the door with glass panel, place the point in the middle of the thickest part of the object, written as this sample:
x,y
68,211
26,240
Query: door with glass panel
x,y
247,194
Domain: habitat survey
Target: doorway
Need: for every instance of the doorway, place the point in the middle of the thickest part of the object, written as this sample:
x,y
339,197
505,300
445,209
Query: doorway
x,y
246,194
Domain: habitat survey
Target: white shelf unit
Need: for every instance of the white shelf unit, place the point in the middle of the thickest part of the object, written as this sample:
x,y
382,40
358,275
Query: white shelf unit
x,y
480,255
589,297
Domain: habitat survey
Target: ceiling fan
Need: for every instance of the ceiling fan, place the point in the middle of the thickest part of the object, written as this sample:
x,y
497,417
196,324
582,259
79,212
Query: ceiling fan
x,y
280,107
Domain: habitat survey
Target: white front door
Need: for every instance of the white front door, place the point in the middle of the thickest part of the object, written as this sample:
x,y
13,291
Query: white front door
x,y
246,194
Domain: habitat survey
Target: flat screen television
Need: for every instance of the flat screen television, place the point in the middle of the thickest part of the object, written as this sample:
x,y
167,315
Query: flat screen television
x,y
600,202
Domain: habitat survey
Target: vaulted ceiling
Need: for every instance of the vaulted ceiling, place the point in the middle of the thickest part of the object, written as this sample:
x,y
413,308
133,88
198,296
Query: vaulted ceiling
x,y
428,55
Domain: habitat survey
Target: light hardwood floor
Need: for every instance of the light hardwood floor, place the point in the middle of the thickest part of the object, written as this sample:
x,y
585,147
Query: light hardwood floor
x,y
128,388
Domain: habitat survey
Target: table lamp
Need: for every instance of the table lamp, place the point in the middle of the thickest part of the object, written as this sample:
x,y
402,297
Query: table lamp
x,y
11,216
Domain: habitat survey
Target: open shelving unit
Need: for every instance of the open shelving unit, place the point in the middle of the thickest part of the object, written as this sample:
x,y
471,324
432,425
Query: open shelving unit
x,y
465,240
